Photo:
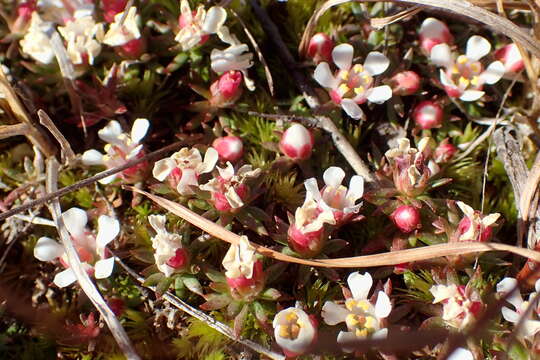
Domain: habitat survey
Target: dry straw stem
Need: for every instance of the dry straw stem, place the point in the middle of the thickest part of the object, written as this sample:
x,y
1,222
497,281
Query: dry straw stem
x,y
202,316
67,151
83,279
16,109
385,259
465,8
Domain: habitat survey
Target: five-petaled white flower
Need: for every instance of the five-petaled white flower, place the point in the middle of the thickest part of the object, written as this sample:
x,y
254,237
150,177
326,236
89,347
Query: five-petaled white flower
x,y
169,254
529,327
461,304
294,331
338,199
90,248
363,319
120,148
465,76
36,42
353,84
196,28
474,226
240,259
122,33
83,37
184,167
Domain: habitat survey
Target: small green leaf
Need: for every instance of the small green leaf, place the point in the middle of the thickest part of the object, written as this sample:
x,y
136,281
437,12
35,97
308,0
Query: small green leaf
x,y
153,279
193,284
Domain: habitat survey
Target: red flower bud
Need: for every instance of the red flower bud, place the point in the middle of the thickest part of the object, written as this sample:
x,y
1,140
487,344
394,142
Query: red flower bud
x,y
179,260
433,32
320,48
133,49
484,233
306,244
405,83
428,115
244,288
297,142
445,151
227,89
229,148
406,218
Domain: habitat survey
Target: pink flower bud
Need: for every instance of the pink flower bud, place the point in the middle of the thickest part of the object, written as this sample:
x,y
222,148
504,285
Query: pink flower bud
x,y
244,288
297,142
179,260
133,49
306,244
405,83
320,48
433,32
428,115
445,151
229,148
406,218
111,8
510,56
227,89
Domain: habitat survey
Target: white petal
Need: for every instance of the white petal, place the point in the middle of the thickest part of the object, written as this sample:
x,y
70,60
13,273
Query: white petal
x,y
379,94
510,284
210,160
380,334
356,188
477,47
441,55
133,153
312,189
75,220
189,178
92,157
471,95
108,229
510,315
47,249
376,63
460,354
530,328
351,108
343,55
110,132
537,285
214,20
493,73
445,80
108,179
103,268
323,75
345,337
383,305
65,278
139,130
432,28
305,337
333,313
163,168
359,285
333,176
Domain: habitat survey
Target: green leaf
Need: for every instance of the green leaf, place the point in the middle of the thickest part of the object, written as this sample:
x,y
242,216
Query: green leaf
x,y
216,301
271,294
239,320
193,284
518,352
164,285
153,279
215,275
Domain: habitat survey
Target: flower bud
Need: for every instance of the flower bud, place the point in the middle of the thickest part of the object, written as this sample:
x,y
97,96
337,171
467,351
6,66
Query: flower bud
x,y
475,226
406,218
433,32
510,56
244,288
445,151
133,49
405,83
306,244
229,148
297,142
320,48
227,89
179,260
111,8
428,115
184,20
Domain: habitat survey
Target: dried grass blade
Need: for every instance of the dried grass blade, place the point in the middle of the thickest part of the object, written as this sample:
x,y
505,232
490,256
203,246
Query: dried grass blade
x,y
379,23
83,279
529,189
385,259
67,151
7,131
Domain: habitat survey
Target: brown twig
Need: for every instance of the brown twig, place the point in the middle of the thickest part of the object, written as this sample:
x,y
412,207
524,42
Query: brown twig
x,y
67,151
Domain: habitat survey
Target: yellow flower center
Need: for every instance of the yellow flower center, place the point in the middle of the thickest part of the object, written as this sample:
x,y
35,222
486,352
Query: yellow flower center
x,y
292,328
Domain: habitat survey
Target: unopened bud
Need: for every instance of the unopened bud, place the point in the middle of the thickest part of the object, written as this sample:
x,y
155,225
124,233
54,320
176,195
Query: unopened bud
x,y
406,218
179,260
405,83
133,49
428,115
306,244
445,151
227,89
320,48
229,148
297,142
510,56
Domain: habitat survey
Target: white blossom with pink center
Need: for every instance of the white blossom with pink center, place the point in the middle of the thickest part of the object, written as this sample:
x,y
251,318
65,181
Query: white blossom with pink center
x,y
240,259
90,248
337,198
83,36
464,76
460,306
170,256
36,42
353,84
184,167
475,226
294,331
122,31
121,147
197,26
461,354
363,319
530,325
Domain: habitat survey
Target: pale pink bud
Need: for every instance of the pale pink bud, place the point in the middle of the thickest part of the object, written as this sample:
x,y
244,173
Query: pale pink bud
x,y
405,83
510,56
111,8
179,260
320,48
297,142
406,218
229,148
433,32
227,89
445,151
295,331
428,115
306,244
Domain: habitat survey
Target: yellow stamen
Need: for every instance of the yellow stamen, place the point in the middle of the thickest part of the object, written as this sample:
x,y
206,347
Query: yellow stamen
x,y
370,322
475,67
350,304
359,90
344,74
475,80
366,78
462,59
364,305
463,81
343,88
455,69
291,317
284,332
358,68
352,320
361,333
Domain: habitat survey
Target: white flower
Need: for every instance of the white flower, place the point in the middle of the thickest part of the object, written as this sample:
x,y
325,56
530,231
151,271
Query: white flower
x,y
195,29
119,35
234,58
353,84
336,197
83,37
121,147
57,11
433,32
90,248
475,226
460,309
184,168
465,76
363,319
240,260
169,254
461,354
529,327
294,331
36,41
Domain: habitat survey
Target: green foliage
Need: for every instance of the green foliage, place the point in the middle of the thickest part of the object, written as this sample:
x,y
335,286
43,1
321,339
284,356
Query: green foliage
x,y
284,189
200,341
418,285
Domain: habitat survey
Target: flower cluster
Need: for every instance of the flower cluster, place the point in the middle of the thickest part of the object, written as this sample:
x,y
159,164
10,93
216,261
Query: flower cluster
x,y
462,305
169,254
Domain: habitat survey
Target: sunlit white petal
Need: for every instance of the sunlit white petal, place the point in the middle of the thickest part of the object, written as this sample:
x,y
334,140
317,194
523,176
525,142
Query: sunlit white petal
x,y
47,249
477,47
343,55
376,63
